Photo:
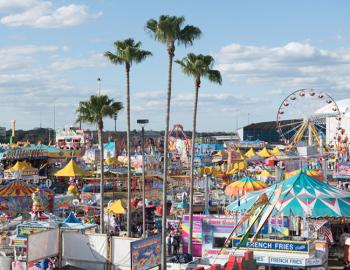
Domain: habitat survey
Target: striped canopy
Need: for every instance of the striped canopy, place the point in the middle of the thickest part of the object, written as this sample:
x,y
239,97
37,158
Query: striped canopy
x,y
302,195
246,184
17,188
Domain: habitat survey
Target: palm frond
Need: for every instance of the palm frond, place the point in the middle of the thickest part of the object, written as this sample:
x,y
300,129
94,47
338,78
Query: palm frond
x,y
127,51
169,29
199,66
188,34
215,76
93,111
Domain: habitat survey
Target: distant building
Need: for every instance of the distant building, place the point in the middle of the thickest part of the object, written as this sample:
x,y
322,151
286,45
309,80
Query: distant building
x,y
2,134
222,139
72,138
263,131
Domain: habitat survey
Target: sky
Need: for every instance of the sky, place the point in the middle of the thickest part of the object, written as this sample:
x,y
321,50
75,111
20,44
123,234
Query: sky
x,y
51,54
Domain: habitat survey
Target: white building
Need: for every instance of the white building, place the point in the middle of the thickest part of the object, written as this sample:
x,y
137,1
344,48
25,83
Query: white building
x,y
332,122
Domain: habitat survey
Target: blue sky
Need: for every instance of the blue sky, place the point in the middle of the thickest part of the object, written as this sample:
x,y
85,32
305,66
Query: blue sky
x,y
51,54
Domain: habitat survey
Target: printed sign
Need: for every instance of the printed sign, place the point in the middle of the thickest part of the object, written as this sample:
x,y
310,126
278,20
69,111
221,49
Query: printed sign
x,y
343,170
302,247
146,253
291,262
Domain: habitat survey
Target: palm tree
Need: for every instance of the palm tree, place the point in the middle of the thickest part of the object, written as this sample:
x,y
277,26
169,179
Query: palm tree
x,y
126,53
197,66
170,30
93,111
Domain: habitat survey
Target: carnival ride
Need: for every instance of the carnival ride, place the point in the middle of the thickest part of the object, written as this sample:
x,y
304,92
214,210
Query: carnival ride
x,y
179,144
299,123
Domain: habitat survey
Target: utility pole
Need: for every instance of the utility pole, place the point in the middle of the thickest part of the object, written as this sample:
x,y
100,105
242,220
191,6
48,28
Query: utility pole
x,y
143,123
54,117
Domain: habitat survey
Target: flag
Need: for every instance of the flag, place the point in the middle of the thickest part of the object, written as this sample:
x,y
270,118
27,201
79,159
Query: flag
x,y
269,225
282,230
290,220
252,220
261,201
323,227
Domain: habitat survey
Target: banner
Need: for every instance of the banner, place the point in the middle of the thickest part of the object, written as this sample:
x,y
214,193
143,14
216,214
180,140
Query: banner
x,y
146,253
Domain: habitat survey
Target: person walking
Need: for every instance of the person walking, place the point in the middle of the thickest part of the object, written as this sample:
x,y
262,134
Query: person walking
x,y
175,244
169,241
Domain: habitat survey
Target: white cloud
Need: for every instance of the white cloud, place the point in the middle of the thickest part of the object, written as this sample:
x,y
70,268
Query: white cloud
x,y
91,61
294,65
20,57
11,5
29,84
43,14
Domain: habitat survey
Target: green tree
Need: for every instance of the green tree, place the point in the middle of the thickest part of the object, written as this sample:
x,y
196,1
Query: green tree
x,y
126,53
93,111
170,30
197,66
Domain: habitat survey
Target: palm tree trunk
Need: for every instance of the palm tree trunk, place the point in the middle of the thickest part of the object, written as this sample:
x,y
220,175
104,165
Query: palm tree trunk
x,y
171,50
127,71
99,134
194,124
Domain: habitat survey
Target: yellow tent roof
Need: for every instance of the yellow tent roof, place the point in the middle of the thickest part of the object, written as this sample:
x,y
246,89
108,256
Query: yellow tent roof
x,y
265,173
264,153
113,161
116,207
275,151
70,170
250,153
220,153
21,166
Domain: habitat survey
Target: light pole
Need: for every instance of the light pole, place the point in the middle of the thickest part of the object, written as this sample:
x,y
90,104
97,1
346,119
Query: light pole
x,y
142,123
115,117
99,86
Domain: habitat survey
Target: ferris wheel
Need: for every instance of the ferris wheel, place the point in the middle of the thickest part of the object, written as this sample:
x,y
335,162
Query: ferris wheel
x,y
302,116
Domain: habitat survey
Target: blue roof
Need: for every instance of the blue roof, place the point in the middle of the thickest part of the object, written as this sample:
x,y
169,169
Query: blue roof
x,y
72,218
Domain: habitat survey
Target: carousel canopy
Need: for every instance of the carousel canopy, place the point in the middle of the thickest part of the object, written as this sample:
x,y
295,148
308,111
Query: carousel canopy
x,y
250,153
18,188
246,184
264,153
302,195
70,170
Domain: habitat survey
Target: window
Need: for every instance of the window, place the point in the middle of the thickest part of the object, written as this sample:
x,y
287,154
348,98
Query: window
x,y
220,241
